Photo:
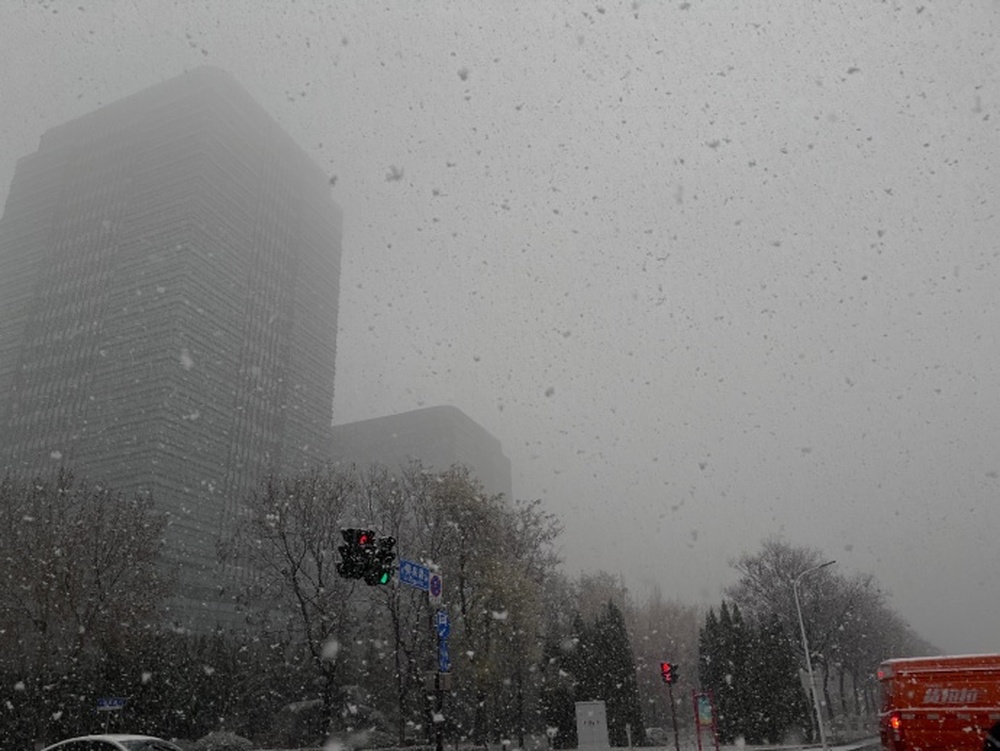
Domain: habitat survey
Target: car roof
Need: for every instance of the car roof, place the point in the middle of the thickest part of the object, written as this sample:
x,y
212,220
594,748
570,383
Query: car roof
x,y
111,737
117,737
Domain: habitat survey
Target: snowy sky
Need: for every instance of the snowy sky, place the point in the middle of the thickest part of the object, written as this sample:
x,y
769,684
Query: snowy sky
x,y
711,270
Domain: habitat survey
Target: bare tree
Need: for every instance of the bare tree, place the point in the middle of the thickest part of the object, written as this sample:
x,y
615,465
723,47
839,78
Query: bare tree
x,y
284,547
82,579
849,624
493,554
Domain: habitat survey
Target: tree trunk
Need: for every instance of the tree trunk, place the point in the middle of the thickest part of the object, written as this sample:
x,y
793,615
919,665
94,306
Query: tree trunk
x,y
826,693
842,690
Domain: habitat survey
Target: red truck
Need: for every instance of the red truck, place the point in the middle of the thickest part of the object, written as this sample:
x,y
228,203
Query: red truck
x,y
945,703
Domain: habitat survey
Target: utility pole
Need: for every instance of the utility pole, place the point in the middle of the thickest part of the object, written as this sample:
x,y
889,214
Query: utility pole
x,y
805,647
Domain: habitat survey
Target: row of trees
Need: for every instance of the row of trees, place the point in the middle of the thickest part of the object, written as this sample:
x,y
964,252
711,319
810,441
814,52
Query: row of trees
x,y
80,587
374,649
751,654
592,662
83,591
753,674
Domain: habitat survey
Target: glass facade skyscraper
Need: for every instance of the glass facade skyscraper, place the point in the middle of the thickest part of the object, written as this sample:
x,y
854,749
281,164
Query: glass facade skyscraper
x,y
169,274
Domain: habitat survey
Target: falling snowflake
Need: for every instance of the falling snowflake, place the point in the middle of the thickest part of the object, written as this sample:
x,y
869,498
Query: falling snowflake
x,y
331,649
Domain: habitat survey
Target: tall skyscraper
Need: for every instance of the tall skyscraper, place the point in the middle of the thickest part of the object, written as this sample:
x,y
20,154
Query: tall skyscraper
x,y
169,275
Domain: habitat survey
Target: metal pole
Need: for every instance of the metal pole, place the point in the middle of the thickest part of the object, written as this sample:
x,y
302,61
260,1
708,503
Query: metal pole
x,y
673,716
439,690
805,648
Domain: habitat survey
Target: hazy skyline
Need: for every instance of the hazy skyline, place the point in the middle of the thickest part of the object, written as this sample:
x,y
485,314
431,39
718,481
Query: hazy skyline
x,y
710,272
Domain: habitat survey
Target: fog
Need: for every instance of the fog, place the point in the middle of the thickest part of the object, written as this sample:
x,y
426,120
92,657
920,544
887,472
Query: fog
x,y
711,271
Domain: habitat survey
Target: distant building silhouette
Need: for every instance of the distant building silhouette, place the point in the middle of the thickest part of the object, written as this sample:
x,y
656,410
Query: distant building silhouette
x,y
169,275
436,436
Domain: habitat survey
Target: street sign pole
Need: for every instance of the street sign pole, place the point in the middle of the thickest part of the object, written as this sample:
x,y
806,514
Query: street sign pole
x,y
416,575
442,625
439,690
109,706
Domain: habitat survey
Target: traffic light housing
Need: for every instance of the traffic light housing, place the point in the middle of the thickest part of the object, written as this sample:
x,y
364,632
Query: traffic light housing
x,y
366,556
356,553
383,562
668,671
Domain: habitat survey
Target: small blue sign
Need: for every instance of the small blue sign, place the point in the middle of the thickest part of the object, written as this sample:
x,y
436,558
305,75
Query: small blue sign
x,y
444,662
414,574
443,624
110,703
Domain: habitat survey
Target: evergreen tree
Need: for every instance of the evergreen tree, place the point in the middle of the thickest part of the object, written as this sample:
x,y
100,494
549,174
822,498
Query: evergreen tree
x,y
556,698
708,649
740,650
724,689
602,666
619,687
724,645
781,706
753,676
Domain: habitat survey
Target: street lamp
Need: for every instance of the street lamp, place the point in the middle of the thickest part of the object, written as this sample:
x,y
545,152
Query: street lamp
x,y
805,648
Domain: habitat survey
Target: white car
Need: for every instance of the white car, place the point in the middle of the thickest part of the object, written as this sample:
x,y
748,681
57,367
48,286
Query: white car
x,y
113,743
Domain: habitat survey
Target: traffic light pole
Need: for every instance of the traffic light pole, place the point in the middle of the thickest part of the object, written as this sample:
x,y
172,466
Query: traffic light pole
x,y
673,716
668,672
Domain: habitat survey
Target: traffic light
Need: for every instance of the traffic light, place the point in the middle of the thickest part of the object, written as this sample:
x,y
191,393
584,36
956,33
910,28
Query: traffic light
x,y
365,556
668,671
382,565
357,553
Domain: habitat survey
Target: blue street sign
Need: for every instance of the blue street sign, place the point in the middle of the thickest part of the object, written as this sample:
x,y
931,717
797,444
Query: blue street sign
x,y
110,703
414,574
444,663
443,624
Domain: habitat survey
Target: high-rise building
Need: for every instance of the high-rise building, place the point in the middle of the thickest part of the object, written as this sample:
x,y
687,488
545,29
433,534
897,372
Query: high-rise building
x,y
438,437
169,274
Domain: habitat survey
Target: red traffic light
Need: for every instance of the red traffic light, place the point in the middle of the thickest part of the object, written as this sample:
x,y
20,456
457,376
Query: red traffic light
x,y
361,538
667,673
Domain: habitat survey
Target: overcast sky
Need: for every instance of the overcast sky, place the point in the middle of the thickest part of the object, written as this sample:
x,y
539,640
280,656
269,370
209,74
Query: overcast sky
x,y
711,271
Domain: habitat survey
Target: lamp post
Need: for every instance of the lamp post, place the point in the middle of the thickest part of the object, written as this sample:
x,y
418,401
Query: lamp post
x,y
805,648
